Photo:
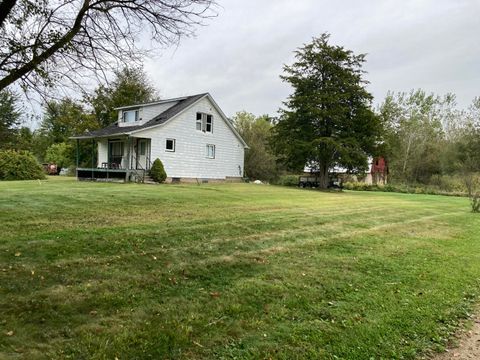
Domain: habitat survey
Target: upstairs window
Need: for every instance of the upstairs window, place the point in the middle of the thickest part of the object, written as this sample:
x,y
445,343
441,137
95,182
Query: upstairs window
x,y
209,124
199,121
204,122
210,153
130,116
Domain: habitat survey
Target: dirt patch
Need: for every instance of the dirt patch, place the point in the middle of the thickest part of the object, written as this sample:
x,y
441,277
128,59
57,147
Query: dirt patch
x,y
468,346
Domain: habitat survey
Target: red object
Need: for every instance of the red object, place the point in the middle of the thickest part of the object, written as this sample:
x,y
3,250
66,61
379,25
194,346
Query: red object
x,y
379,170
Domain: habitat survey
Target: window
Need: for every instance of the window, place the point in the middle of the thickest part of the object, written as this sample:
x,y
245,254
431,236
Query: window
x,y
204,122
130,116
170,145
116,150
210,151
143,147
199,121
209,124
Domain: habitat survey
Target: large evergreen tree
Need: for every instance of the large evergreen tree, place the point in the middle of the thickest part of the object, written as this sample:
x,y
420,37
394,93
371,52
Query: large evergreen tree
x,y
328,119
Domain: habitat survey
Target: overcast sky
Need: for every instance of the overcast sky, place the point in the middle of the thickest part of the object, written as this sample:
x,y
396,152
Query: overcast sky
x,y
238,56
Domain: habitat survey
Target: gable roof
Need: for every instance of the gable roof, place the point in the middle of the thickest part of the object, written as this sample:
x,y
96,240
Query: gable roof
x,y
161,118
164,101
182,105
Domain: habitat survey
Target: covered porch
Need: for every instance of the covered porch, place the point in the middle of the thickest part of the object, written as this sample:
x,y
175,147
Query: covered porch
x,y
118,158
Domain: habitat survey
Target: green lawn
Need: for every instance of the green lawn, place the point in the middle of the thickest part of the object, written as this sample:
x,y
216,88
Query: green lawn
x,y
233,271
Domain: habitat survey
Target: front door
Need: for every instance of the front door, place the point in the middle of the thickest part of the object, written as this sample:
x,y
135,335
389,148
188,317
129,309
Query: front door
x,y
142,154
116,152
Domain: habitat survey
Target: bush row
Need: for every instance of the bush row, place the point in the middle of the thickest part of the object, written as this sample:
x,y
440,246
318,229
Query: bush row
x,y
286,180
401,188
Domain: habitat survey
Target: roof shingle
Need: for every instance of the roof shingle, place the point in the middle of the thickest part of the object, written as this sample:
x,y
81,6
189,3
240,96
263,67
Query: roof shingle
x,y
161,118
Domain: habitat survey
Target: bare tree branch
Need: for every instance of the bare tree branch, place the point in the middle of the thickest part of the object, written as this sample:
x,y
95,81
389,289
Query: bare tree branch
x,y
45,43
5,9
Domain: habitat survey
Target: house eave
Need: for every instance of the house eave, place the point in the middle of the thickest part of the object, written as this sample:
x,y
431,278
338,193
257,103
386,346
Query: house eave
x,y
152,103
86,137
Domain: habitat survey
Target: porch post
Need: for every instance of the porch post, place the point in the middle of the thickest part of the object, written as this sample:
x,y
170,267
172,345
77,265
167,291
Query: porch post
x,y
93,151
127,160
78,155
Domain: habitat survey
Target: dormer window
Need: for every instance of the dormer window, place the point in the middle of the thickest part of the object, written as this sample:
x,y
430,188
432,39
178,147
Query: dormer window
x,y
204,122
130,116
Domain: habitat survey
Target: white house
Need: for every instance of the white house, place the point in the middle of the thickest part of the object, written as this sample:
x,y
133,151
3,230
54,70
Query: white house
x,y
191,135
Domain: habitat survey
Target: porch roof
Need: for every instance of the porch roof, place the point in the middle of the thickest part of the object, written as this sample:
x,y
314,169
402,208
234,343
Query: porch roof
x,y
161,118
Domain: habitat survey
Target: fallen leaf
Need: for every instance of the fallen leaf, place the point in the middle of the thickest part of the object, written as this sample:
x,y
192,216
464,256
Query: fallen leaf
x,y
9,333
215,294
93,312
17,254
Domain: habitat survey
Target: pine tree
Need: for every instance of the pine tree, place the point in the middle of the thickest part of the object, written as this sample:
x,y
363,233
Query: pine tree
x,y
328,119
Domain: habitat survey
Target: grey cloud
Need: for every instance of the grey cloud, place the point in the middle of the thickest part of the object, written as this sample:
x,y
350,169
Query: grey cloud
x,y
239,56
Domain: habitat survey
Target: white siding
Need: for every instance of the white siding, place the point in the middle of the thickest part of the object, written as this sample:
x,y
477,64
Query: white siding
x,y
189,159
146,113
102,151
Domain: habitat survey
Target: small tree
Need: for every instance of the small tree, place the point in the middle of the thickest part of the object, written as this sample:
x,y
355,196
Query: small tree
x,y
157,172
472,184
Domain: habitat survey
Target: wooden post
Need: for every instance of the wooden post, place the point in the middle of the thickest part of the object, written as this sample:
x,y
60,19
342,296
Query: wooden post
x,y
93,154
78,156
127,160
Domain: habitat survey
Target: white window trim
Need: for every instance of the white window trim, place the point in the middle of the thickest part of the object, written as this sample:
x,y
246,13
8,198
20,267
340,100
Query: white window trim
x,y
174,145
207,155
203,122
137,115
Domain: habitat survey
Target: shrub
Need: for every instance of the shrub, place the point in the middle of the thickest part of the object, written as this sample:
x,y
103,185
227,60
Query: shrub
x,y
19,166
157,172
287,180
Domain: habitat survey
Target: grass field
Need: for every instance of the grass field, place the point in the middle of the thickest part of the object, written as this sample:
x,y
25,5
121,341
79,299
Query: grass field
x,y
234,271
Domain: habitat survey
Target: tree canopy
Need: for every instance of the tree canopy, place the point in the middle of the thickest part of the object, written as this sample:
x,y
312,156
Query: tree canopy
x,y
130,86
328,119
260,163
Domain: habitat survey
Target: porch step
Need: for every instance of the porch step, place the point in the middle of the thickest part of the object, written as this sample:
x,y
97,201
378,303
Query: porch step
x,y
148,180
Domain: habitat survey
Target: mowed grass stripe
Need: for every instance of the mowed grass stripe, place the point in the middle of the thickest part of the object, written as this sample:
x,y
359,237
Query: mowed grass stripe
x,y
302,275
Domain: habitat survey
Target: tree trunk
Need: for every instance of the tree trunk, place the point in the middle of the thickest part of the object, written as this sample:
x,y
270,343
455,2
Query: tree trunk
x,y
323,177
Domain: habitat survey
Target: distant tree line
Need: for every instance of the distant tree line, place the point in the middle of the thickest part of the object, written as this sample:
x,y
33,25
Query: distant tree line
x,y
328,121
